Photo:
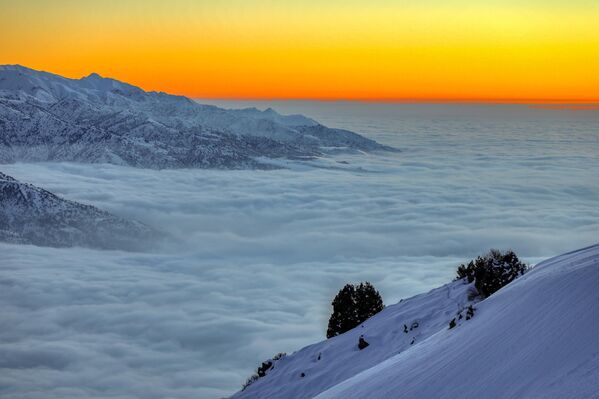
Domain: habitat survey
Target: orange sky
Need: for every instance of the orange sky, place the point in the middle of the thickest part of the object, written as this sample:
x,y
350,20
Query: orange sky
x,y
378,50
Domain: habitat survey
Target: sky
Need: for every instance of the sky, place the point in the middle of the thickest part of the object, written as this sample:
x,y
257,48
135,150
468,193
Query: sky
x,y
257,256
329,49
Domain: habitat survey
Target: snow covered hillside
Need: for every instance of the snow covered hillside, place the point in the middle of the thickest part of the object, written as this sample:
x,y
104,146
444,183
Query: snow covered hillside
x,y
31,215
538,337
45,117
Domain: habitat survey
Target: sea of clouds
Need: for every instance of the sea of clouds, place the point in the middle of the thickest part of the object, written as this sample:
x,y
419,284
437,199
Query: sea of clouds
x,y
254,258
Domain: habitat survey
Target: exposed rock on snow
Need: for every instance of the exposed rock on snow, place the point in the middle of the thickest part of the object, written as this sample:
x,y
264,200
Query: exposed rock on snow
x,y
534,338
45,117
31,215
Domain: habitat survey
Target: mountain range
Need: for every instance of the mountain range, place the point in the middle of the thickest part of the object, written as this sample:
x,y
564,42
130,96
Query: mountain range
x,y
46,117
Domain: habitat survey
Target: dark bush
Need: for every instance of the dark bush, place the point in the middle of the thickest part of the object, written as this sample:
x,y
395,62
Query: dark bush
x,y
262,370
253,378
452,323
352,306
264,367
469,312
492,271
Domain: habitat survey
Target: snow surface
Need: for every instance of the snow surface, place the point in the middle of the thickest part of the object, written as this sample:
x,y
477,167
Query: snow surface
x,y
535,338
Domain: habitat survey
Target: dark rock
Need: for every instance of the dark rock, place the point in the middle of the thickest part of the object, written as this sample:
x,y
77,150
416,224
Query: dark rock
x,y
362,343
452,323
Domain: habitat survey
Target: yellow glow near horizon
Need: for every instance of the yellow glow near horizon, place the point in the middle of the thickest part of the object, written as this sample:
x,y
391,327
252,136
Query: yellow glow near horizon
x,y
377,50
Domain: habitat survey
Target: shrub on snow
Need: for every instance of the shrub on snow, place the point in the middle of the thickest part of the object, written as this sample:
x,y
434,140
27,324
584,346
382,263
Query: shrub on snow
x,y
262,370
492,271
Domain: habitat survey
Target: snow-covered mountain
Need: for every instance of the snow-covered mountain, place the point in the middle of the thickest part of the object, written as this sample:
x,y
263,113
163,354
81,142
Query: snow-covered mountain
x,y
46,117
31,215
538,337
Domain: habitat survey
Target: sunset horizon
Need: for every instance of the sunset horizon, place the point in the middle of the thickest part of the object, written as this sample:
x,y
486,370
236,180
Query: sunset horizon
x,y
430,100
388,51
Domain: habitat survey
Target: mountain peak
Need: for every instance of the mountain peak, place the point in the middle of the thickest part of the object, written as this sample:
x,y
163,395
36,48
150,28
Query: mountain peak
x,y
95,81
92,76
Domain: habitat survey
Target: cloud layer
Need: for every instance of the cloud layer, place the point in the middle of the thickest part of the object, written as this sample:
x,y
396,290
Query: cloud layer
x,y
256,256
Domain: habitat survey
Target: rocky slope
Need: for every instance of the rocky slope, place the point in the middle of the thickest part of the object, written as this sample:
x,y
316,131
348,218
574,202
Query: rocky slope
x,y
31,215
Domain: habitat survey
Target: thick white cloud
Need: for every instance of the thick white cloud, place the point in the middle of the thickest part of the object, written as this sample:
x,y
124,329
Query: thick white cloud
x,y
256,256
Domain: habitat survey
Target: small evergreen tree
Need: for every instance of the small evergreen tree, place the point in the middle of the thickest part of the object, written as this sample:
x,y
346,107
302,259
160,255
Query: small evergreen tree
x,y
492,271
368,301
353,305
344,316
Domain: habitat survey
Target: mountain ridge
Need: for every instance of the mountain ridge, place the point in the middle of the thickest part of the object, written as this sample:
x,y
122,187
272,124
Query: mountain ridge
x,y
47,117
32,215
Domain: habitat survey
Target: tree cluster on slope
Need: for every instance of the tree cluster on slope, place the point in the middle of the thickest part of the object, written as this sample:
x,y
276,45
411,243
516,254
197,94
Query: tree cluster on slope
x,y
353,305
492,271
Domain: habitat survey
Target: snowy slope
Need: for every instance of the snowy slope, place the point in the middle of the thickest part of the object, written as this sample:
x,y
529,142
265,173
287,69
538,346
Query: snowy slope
x,y
31,215
46,117
423,315
535,338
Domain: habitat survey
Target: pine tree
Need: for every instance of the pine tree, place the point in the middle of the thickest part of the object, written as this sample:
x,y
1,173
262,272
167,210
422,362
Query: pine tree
x,y
344,316
352,306
368,301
